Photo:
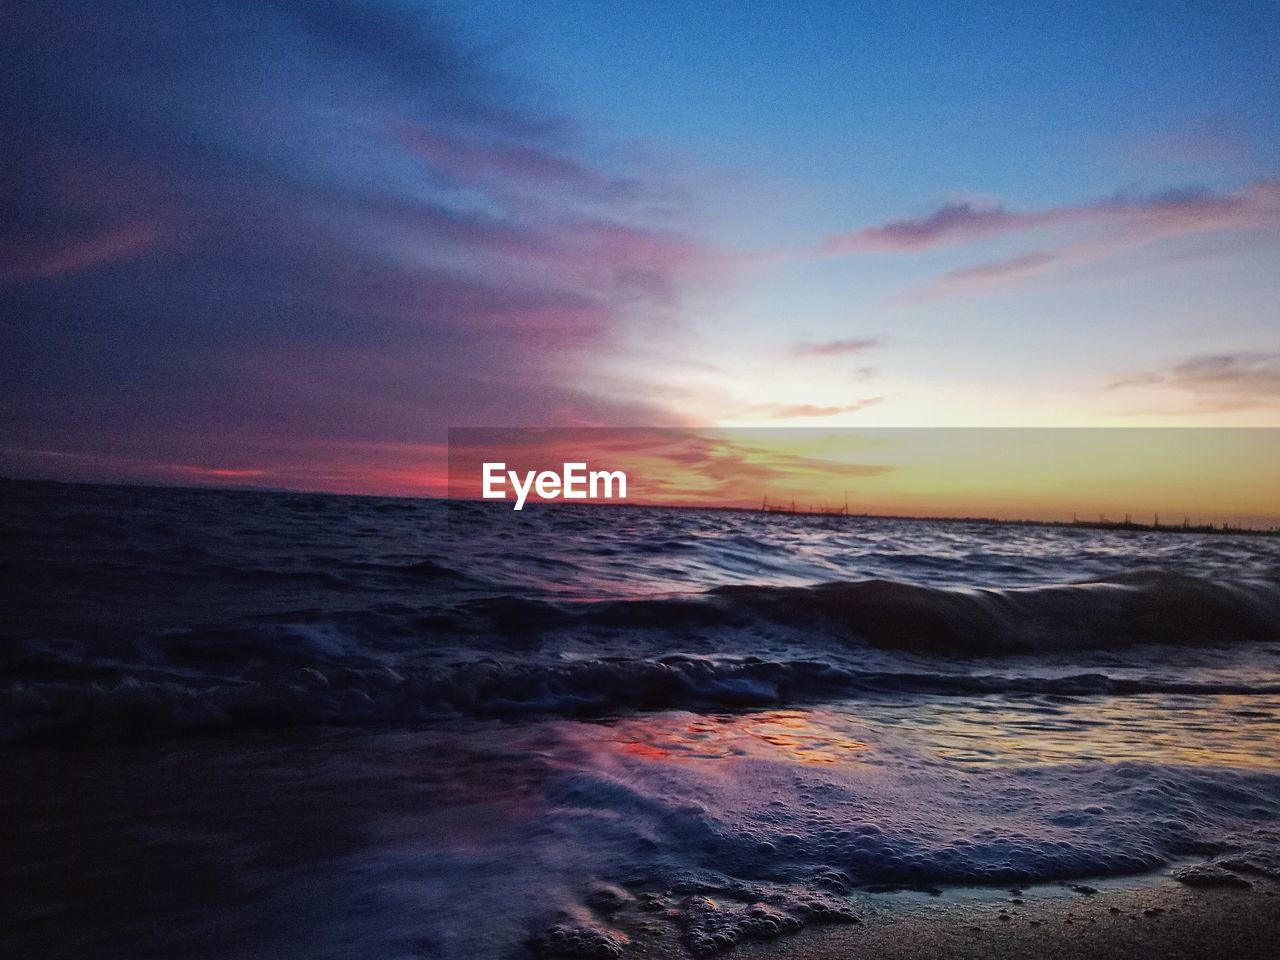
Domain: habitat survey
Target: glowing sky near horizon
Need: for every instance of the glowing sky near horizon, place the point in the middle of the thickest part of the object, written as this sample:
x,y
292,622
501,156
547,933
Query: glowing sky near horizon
x,y
1198,474
290,243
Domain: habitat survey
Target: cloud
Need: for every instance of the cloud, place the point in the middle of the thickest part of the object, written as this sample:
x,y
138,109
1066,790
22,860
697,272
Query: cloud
x,y
293,225
302,465
62,255
837,348
507,166
949,224
997,270
1217,382
1110,226
1166,213
782,411
1210,139
666,465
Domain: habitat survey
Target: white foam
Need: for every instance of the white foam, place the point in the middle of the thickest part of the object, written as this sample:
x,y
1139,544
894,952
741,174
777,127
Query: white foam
x,y
770,842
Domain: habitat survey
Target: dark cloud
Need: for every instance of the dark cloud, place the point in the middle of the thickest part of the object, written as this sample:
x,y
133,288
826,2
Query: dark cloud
x,y
231,225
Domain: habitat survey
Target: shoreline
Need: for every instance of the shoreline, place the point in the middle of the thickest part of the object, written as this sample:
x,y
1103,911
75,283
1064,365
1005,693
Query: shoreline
x,y
1146,915
337,844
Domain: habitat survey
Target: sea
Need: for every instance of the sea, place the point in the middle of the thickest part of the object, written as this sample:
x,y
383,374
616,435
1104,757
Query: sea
x,y
246,723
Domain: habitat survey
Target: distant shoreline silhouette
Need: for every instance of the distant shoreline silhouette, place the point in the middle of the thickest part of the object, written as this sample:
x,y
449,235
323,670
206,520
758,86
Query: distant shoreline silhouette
x,y
806,513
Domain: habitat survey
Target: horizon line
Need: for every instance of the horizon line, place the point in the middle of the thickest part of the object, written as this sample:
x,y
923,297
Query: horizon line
x,y
1201,525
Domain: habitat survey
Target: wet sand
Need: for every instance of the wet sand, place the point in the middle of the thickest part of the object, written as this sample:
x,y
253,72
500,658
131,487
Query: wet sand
x,y
1138,917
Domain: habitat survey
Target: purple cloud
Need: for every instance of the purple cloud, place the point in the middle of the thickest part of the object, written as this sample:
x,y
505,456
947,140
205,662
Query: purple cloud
x,y
1112,226
1168,213
949,224
362,237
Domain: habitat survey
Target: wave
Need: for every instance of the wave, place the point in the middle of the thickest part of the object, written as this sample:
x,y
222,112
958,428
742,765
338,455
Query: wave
x,y
132,706
385,667
1141,607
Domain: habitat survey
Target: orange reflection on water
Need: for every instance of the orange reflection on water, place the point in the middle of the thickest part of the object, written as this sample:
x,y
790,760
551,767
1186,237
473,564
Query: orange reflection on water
x,y
1181,729
800,736
1185,729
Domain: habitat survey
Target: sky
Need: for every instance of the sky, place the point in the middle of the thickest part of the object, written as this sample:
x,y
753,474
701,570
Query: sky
x,y
1169,476
288,243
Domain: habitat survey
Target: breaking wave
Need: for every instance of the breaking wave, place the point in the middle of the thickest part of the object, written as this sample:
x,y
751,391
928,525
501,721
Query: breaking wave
x,y
1140,607
286,675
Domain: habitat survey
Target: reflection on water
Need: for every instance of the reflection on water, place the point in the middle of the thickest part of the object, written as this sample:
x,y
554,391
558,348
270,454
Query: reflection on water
x,y
1202,730
1232,731
805,736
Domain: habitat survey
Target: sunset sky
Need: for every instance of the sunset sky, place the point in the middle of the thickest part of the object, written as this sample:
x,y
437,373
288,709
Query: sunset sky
x,y
1197,474
289,243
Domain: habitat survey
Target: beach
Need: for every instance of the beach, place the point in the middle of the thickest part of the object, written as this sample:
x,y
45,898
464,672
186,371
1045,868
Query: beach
x,y
1148,919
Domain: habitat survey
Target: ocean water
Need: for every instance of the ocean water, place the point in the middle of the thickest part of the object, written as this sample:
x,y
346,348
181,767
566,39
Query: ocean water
x,y
358,726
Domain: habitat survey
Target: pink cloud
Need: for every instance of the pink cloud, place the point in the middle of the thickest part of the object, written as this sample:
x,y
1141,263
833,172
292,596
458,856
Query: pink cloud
x,y
507,165
1156,215
781,411
1217,382
722,467
48,260
1204,140
379,240
949,224
837,348
1120,224
989,273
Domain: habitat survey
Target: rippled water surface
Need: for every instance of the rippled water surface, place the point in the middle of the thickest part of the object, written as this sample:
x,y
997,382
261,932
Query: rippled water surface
x,y
362,726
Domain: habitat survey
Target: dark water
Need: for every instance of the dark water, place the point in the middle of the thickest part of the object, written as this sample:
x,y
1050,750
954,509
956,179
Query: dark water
x,y
480,719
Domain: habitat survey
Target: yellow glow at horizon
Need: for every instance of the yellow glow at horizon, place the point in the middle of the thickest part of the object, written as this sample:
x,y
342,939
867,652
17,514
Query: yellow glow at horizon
x,y
1219,473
